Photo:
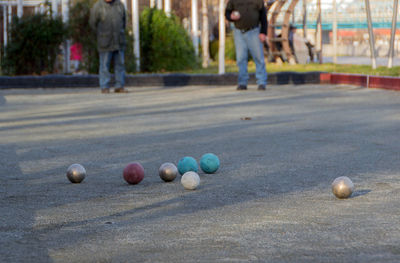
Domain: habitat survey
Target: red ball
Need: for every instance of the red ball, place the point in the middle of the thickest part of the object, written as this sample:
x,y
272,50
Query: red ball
x,y
133,173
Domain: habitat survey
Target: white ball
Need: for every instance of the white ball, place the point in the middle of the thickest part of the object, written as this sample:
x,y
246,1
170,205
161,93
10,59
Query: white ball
x,y
190,180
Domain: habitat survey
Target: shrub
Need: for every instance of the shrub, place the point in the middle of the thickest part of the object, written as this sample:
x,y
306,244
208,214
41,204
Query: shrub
x,y
230,52
165,44
81,32
34,44
130,58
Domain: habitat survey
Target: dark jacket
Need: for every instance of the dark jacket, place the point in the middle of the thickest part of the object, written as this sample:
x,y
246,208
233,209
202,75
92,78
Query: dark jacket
x,y
109,20
252,14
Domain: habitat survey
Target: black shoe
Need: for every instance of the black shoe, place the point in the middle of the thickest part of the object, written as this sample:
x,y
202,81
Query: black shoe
x,y
242,87
261,87
121,90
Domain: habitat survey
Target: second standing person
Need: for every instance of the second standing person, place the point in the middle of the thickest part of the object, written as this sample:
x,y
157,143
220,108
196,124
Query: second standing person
x,y
250,32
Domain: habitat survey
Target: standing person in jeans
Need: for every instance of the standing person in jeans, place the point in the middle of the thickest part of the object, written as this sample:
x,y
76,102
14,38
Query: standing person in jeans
x,y
250,32
108,19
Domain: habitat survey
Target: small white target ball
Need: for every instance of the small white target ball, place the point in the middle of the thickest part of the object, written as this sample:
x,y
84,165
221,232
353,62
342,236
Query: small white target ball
x,y
190,180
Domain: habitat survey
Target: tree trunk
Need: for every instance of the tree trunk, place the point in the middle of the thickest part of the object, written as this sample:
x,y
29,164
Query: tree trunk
x,y
318,33
205,34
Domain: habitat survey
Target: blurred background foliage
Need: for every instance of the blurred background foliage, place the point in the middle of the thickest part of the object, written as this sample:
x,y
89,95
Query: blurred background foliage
x,y
165,45
35,43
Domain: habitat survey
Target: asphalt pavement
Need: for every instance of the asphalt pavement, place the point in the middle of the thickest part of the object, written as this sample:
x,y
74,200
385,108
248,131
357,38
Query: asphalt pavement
x,y
270,201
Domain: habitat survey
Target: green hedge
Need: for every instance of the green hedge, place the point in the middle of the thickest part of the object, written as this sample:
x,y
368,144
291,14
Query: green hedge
x,y
34,45
165,44
230,52
36,42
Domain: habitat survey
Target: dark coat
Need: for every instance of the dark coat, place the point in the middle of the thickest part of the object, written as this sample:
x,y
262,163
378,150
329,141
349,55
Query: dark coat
x,y
109,21
252,14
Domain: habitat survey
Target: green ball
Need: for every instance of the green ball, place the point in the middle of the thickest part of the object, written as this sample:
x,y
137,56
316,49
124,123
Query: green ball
x,y
187,164
209,163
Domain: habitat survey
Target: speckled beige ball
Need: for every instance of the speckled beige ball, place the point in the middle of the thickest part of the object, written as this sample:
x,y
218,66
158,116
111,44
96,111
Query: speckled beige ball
x,y
342,187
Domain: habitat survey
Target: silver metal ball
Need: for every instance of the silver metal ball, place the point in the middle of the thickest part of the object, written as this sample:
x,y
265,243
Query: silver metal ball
x,y
168,172
342,187
76,173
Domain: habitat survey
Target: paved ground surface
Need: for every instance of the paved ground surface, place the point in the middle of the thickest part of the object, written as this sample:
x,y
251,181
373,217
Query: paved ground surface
x,y
270,201
380,61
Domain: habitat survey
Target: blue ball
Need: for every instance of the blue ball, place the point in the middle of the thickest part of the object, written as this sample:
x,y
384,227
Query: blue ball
x,y
209,163
187,164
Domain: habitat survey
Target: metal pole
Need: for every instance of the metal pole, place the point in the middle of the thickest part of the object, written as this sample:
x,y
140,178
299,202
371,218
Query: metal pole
x,y
319,32
371,34
159,4
334,32
136,36
9,14
20,8
204,34
65,18
42,8
167,7
125,4
393,33
65,10
305,19
54,8
195,26
221,48
5,31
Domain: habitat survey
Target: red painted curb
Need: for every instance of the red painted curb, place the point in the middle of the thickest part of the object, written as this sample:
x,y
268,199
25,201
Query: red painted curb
x,y
377,82
353,79
325,78
390,83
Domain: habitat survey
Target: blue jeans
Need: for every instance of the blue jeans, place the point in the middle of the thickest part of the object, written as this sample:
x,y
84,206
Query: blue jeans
x,y
249,42
119,68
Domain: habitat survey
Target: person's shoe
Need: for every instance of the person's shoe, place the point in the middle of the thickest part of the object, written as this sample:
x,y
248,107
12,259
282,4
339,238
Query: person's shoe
x,y
105,91
242,87
261,87
121,90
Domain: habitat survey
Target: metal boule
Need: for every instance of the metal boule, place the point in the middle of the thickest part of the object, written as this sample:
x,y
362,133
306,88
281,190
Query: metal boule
x,y
168,172
76,173
342,187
